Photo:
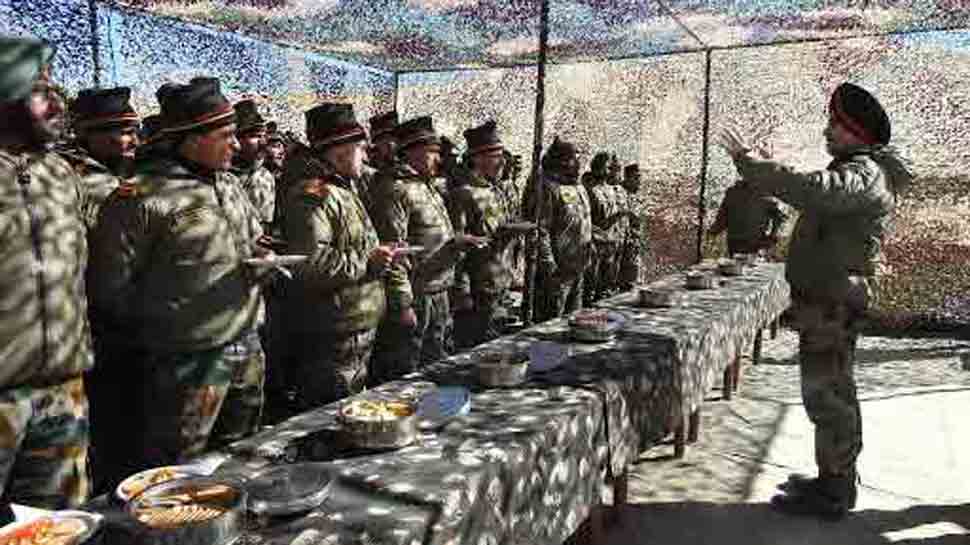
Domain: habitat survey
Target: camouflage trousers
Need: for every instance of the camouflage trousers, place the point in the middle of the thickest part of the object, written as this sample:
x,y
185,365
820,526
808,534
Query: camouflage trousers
x,y
602,277
201,400
630,265
44,449
402,350
827,339
326,368
561,297
482,323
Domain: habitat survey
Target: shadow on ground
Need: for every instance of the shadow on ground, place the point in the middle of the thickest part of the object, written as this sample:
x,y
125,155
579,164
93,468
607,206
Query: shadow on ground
x,y
702,523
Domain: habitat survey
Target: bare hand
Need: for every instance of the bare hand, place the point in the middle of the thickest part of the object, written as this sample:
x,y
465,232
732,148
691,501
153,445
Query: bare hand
x,y
380,259
408,318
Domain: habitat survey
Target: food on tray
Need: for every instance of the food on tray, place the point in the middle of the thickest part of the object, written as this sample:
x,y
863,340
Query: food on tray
x,y
185,507
377,410
46,531
591,318
173,516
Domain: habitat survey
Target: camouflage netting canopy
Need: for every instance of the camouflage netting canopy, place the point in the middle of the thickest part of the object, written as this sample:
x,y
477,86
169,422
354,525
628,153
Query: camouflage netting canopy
x,y
649,80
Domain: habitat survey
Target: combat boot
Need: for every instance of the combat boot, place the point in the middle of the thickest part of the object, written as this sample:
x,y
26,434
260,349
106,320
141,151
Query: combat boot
x,y
828,497
799,483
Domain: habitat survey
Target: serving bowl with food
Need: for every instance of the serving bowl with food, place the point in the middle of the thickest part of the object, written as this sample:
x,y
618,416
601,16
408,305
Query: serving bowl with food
x,y
658,297
56,528
193,510
379,424
700,280
499,369
730,267
595,325
746,259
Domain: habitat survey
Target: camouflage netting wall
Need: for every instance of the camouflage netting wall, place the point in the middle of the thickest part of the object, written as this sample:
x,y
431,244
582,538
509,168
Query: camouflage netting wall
x,y
649,111
143,52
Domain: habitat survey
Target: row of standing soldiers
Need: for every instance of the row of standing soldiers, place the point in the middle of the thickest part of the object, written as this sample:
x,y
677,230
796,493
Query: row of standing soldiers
x,y
138,266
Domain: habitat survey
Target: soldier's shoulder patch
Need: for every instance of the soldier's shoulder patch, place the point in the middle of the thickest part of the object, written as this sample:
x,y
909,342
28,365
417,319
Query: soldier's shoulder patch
x,y
317,188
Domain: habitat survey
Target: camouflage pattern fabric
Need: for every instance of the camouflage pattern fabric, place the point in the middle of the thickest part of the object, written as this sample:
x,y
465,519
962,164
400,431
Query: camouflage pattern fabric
x,y
44,445
329,368
635,244
334,293
845,211
167,262
260,186
97,183
748,218
44,332
608,208
826,352
480,208
199,400
412,211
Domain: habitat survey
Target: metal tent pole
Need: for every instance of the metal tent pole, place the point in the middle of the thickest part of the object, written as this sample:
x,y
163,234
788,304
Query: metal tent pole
x,y
95,40
532,256
705,152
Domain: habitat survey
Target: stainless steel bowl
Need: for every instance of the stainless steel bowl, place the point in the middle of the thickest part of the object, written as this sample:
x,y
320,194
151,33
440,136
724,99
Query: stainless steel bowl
x,y
221,530
700,280
380,434
498,373
730,267
656,297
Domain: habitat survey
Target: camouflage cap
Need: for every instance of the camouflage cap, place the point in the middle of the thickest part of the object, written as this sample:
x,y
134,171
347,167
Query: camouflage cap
x,y
559,153
21,61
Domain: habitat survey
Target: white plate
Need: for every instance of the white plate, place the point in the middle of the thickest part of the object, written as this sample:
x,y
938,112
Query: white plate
x,y
27,515
276,260
443,403
124,491
408,250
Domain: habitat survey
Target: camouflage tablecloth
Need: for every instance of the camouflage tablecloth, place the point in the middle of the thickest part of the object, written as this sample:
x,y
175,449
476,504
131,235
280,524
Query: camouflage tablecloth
x,y
708,329
525,466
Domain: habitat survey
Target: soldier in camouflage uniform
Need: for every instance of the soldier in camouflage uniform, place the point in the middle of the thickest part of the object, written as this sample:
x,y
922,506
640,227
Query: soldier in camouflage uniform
x,y
45,344
381,155
479,207
566,234
607,203
833,258
107,137
337,299
634,243
752,221
413,212
168,277
248,165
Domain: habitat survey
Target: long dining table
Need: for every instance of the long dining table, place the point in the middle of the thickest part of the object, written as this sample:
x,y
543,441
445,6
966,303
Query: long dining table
x,y
527,464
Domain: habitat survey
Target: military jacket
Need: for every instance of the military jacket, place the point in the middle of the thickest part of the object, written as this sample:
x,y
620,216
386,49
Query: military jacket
x,y
97,182
412,210
334,292
565,240
845,211
260,186
44,333
479,208
167,264
747,215
607,207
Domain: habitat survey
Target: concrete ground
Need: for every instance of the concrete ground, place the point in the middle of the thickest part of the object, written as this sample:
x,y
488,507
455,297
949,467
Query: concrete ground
x,y
915,473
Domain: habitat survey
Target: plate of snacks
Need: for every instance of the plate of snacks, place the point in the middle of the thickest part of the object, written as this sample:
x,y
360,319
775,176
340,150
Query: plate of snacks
x,y
379,423
595,325
498,369
190,510
54,528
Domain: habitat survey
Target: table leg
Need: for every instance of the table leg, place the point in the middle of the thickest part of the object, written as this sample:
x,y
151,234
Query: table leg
x,y
774,328
621,487
728,389
680,436
756,356
736,374
694,426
